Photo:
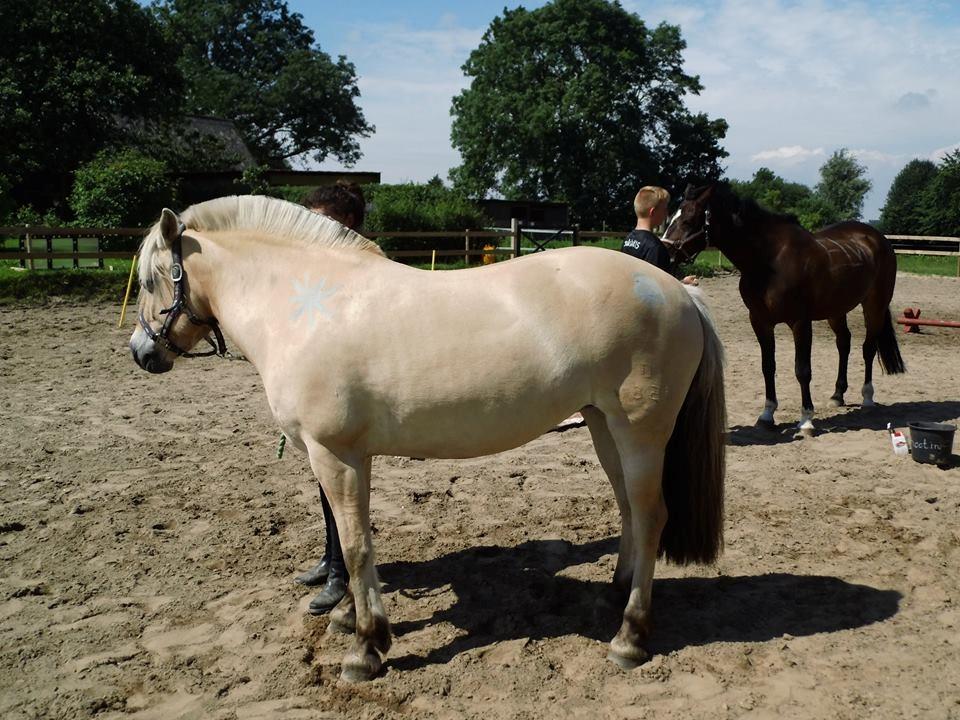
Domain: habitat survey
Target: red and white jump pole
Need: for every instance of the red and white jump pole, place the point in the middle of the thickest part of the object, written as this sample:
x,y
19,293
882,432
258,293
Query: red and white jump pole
x,y
912,322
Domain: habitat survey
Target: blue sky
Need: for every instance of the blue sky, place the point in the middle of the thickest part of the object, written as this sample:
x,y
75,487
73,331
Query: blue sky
x,y
795,80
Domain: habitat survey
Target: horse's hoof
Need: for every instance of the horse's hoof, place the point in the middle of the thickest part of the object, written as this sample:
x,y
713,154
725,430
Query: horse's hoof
x,y
343,621
868,404
341,628
359,667
835,402
765,424
634,660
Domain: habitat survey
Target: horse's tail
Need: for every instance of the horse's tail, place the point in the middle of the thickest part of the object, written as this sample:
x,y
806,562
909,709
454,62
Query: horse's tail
x,y
888,348
694,465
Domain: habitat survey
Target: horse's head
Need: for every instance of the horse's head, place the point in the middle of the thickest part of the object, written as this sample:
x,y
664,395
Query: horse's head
x,y
688,232
168,321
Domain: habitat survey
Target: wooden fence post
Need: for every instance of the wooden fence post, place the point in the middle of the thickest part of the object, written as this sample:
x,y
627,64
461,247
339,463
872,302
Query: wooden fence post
x,y
30,261
76,249
576,234
49,246
515,229
466,247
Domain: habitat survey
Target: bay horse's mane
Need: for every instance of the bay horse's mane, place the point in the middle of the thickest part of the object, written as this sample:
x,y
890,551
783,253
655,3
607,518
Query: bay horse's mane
x,y
286,221
749,210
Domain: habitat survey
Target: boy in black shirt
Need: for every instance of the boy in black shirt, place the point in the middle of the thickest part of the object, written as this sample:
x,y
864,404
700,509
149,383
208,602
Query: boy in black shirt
x,y
650,205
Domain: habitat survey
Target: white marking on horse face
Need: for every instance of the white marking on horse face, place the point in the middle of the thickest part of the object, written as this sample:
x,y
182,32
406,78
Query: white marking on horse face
x,y
308,299
666,239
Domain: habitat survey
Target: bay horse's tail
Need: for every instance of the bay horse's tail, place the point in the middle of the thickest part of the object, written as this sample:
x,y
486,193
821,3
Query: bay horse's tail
x,y
888,348
695,461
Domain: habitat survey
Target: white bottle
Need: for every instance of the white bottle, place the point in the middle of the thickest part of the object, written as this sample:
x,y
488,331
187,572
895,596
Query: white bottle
x,y
898,440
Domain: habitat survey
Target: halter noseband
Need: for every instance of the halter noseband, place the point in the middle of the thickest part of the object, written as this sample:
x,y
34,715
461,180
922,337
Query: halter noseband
x,y
179,277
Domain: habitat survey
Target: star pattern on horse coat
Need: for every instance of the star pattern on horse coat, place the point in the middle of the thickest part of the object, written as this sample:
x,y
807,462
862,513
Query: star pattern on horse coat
x,y
309,299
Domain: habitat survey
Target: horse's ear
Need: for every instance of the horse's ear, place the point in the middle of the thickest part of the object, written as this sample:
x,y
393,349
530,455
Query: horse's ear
x,y
169,226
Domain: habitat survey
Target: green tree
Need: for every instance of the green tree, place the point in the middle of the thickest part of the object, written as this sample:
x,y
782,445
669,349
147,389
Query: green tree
x,y
120,189
579,101
69,71
942,199
256,63
420,206
903,212
773,192
842,187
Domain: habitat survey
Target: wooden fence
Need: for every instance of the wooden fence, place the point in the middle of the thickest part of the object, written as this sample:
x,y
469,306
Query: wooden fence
x,y
29,255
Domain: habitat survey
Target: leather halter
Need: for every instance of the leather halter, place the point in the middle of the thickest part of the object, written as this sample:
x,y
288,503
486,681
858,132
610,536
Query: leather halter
x,y
179,277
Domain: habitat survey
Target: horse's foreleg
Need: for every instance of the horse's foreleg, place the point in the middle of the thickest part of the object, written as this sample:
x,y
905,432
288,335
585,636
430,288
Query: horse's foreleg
x,y
643,473
609,458
347,485
768,363
839,326
802,345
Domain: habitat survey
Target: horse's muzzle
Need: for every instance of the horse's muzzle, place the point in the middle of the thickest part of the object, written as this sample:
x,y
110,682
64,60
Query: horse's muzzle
x,y
150,357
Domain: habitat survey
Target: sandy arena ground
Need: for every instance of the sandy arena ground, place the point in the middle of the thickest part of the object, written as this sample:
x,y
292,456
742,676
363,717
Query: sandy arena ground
x,y
149,539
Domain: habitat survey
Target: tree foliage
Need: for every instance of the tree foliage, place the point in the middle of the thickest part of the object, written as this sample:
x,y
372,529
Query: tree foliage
x,y
256,63
941,215
68,72
813,208
843,186
120,189
420,206
579,101
903,212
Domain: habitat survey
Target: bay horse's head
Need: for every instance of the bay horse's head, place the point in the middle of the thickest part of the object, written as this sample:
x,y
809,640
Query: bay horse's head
x,y
169,325
688,232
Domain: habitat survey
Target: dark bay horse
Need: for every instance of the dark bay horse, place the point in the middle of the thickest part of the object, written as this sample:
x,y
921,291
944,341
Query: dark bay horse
x,y
789,275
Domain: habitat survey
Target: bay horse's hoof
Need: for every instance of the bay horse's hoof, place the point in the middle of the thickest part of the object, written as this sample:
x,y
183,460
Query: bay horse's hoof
x,y
765,424
835,402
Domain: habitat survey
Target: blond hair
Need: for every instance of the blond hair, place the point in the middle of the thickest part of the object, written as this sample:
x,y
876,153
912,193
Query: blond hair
x,y
648,198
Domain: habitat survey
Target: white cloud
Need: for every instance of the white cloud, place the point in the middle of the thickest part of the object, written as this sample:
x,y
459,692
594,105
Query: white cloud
x,y
794,80
788,155
940,153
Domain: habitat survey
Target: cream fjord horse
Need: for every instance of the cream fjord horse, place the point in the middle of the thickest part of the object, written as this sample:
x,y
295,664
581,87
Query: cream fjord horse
x,y
362,356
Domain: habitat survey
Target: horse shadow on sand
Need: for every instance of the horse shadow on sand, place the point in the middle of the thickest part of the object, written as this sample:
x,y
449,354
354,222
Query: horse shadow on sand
x,y
512,593
851,419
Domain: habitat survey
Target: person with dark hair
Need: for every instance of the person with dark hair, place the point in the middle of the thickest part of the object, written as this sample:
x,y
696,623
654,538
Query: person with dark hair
x,y
345,204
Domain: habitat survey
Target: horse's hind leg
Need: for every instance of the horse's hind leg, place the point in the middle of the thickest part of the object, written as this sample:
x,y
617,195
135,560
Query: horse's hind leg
x,y
642,464
347,485
609,458
839,326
